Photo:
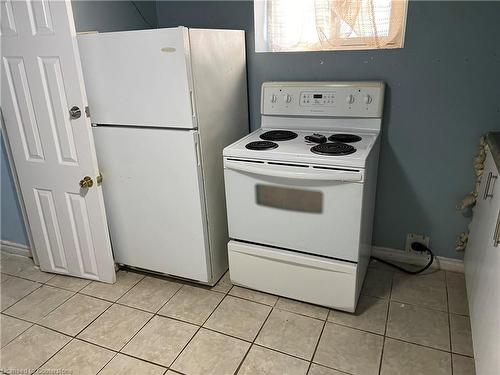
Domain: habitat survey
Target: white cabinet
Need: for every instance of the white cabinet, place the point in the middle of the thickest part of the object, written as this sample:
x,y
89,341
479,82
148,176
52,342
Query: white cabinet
x,y
482,272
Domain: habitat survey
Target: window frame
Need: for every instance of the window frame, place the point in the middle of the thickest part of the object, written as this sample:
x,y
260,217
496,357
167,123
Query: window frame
x,y
340,44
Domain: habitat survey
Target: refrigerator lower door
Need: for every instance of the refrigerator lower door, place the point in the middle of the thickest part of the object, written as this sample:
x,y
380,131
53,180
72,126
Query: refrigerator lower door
x,y
153,193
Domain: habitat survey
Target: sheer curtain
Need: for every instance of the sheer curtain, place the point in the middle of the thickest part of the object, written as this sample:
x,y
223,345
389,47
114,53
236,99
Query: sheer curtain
x,y
305,25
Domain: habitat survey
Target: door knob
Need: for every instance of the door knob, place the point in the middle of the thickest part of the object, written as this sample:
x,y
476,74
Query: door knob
x,y
87,182
74,113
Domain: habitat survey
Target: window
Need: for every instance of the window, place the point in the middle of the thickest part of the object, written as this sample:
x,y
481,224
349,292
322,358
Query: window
x,y
322,25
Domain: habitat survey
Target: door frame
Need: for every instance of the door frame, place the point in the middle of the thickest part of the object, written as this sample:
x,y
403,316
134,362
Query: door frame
x,y
13,170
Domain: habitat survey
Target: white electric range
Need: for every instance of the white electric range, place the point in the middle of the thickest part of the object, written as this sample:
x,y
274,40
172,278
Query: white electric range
x,y
300,191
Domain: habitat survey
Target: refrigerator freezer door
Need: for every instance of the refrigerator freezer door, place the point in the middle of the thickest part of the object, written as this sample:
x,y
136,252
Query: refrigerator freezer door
x,y
139,78
153,195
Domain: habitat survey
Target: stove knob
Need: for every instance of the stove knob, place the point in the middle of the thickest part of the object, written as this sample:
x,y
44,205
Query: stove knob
x,y
288,98
349,99
367,99
273,98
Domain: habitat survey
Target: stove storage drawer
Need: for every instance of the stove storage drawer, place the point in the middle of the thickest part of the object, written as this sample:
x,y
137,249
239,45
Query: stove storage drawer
x,y
332,283
311,210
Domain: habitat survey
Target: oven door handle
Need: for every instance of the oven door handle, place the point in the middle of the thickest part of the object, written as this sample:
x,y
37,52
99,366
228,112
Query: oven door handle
x,y
302,174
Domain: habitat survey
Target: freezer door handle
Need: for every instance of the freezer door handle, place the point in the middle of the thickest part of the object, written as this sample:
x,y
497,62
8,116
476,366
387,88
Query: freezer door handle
x,y
191,98
296,173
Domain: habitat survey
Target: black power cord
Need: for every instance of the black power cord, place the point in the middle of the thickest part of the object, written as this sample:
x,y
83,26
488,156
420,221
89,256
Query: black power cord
x,y
416,246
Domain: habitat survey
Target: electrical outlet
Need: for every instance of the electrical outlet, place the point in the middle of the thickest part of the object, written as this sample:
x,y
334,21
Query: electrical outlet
x,y
411,237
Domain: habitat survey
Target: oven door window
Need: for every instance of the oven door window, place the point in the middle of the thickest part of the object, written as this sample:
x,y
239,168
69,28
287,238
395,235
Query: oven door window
x,y
289,199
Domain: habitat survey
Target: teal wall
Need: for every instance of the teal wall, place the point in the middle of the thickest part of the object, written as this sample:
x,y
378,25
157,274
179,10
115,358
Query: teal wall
x,y
443,93
11,223
89,16
113,15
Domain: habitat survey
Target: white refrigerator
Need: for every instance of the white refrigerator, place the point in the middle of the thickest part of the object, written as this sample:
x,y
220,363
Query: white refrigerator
x,y
163,104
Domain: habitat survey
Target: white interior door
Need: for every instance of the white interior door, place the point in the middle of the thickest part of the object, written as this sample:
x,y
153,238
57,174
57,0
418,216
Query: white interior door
x,y
52,150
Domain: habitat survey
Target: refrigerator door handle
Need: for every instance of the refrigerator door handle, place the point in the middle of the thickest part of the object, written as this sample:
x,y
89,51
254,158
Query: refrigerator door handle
x,y
191,98
197,147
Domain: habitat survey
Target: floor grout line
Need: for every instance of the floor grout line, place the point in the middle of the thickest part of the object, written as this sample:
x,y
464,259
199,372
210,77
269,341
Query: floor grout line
x,y
420,306
3,310
142,327
125,292
93,320
139,330
423,346
78,333
27,278
2,345
385,326
449,320
107,363
332,368
253,341
53,355
251,300
317,342
357,329
143,360
300,314
55,308
213,330
198,330
423,307
151,318
200,327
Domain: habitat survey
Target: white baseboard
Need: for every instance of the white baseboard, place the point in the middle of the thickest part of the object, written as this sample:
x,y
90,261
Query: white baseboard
x,y
15,248
443,263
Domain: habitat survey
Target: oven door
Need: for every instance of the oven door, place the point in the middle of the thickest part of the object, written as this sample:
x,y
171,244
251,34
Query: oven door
x,y
311,209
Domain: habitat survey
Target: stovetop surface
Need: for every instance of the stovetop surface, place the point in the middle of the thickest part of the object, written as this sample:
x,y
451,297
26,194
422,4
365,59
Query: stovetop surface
x,y
298,149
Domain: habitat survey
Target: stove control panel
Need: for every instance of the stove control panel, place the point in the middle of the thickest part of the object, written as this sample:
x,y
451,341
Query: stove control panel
x,y
325,99
317,98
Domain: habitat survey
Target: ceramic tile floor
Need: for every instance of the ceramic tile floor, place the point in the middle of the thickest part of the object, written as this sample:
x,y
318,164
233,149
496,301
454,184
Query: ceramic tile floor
x,y
404,325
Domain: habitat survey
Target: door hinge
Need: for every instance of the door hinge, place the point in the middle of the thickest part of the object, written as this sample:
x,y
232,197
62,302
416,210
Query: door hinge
x,y
87,111
98,179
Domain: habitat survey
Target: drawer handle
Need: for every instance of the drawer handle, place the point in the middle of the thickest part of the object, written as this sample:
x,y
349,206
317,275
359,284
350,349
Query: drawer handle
x,y
487,188
496,236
